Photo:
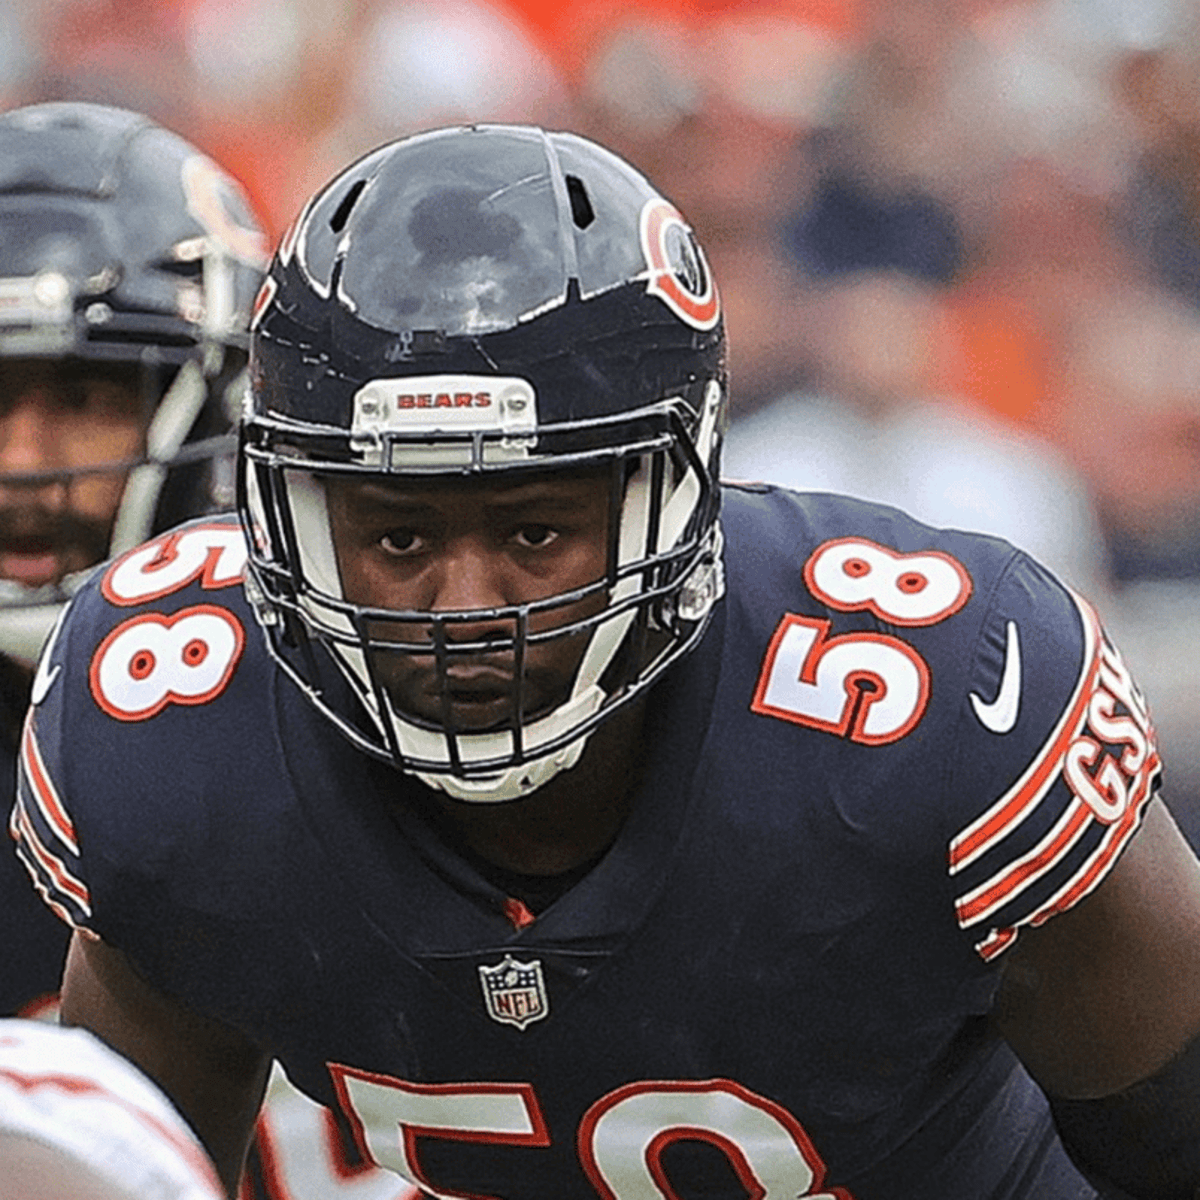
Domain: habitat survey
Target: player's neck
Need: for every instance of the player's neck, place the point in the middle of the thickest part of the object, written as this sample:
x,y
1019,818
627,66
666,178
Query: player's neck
x,y
569,820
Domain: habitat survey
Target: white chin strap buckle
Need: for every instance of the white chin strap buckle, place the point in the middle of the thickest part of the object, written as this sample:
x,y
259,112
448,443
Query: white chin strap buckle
x,y
512,784
523,778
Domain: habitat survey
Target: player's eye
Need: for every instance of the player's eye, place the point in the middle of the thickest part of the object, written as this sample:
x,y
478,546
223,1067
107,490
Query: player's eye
x,y
401,542
109,402
535,536
100,398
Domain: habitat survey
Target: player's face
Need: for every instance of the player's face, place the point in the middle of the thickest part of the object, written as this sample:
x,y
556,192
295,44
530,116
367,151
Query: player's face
x,y
55,418
470,546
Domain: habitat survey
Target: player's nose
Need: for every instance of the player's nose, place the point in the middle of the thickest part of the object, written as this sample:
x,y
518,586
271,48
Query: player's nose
x,y
29,442
471,579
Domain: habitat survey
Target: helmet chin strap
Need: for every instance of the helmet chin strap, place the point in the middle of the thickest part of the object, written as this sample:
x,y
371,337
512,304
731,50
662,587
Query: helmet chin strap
x,y
518,782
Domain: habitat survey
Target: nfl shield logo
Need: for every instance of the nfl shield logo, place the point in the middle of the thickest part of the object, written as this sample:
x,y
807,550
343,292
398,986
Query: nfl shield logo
x,y
514,992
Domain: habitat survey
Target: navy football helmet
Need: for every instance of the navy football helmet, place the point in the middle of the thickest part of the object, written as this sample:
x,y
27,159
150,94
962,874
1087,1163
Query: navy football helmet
x,y
480,302
126,251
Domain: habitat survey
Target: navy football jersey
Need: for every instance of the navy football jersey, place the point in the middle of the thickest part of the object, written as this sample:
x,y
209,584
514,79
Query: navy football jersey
x,y
895,748
299,1150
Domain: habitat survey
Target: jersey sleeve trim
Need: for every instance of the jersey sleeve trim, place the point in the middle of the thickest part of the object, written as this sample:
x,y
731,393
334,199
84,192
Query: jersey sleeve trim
x,y
1019,801
43,791
45,837
1100,812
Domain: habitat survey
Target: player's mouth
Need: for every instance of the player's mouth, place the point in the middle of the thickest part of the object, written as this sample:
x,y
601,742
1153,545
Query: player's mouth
x,y
32,561
479,697
38,548
473,697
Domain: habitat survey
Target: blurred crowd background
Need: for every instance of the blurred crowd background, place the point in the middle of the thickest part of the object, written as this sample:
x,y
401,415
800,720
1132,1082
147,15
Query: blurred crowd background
x,y
958,241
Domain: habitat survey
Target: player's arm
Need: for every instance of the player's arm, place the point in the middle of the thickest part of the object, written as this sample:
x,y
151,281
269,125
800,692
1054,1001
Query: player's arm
x,y
1102,1004
214,1075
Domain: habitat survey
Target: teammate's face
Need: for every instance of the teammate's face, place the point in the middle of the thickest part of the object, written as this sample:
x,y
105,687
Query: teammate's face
x,y
465,547
55,418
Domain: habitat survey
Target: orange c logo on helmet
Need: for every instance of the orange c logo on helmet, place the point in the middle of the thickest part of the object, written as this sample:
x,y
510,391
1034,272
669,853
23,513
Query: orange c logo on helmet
x,y
679,274
207,189
266,293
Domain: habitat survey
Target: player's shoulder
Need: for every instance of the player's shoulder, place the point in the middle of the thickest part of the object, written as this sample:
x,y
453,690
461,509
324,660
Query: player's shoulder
x,y
962,672
166,623
764,519
157,654
151,724
201,557
944,656
838,557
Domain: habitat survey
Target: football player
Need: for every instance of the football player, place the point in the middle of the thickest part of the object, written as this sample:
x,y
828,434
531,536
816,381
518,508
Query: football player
x,y
78,1122
128,265
575,826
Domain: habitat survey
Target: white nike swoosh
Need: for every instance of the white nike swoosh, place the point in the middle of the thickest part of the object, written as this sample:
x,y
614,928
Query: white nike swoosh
x,y
1000,715
44,676
43,681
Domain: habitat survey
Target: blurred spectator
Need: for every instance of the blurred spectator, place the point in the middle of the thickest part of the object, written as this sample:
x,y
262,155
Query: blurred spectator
x,y
426,64
128,53
871,427
747,69
1039,249
712,101
990,140
1129,417
852,223
268,84
20,48
418,64
1161,89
